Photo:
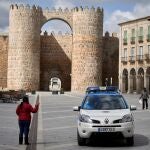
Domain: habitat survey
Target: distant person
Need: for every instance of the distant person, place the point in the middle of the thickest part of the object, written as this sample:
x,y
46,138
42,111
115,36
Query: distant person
x,y
144,96
24,118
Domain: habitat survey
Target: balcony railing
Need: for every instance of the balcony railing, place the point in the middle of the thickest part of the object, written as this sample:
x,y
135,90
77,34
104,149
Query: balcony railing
x,y
140,39
131,59
132,40
139,58
125,41
148,38
124,59
147,57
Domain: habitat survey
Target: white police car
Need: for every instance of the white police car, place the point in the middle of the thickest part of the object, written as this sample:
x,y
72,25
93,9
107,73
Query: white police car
x,y
105,113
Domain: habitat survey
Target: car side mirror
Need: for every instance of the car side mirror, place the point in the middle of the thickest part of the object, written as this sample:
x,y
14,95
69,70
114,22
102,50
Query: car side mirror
x,y
76,108
132,107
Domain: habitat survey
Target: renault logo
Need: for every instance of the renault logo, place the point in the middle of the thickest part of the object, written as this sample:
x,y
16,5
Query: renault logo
x,y
106,121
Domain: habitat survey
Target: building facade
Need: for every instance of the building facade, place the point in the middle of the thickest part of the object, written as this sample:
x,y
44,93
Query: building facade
x,y
134,55
33,59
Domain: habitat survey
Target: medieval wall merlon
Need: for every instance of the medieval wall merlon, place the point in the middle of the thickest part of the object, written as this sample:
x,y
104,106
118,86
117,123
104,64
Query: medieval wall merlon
x,y
27,7
61,14
87,9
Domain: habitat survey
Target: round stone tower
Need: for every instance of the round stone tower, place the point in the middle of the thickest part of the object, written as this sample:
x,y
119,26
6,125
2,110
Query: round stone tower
x,y
87,48
24,47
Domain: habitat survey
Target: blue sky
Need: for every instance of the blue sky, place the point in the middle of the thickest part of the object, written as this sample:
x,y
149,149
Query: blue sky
x,y
115,11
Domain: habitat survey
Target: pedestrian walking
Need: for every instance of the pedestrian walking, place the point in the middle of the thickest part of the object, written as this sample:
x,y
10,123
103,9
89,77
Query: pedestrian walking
x,y
24,111
144,96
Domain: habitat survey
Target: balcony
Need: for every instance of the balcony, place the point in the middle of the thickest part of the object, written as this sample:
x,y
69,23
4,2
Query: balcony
x,y
132,40
125,42
131,59
147,57
148,38
139,58
140,39
124,60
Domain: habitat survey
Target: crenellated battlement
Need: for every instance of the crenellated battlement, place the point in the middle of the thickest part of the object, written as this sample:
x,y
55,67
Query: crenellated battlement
x,y
25,7
76,9
59,33
87,9
59,10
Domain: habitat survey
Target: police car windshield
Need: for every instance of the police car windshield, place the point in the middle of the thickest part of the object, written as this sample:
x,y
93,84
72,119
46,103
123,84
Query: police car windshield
x,y
104,102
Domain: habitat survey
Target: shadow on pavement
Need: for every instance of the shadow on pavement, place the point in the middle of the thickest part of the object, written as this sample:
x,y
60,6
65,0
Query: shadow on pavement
x,y
139,140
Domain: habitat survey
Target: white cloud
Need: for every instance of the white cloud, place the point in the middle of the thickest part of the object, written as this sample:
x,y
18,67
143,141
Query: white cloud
x,y
118,16
63,4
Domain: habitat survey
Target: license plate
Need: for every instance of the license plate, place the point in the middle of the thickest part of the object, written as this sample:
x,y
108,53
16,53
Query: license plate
x,y
106,129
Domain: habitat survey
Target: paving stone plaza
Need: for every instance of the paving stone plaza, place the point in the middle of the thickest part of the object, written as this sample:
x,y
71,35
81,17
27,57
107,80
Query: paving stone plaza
x,y
57,125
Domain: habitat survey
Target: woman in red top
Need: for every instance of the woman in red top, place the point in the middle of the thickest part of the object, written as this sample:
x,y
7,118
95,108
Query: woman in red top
x,y
24,118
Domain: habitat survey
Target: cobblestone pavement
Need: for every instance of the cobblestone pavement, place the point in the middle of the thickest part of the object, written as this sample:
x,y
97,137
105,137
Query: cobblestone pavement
x,y
57,125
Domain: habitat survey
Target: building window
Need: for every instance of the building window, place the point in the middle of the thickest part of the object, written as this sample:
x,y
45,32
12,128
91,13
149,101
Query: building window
x,y
132,57
149,49
141,34
125,37
125,54
133,36
148,35
140,53
132,51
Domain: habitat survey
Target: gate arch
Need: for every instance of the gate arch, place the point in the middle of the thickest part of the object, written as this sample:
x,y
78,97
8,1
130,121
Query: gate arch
x,y
64,15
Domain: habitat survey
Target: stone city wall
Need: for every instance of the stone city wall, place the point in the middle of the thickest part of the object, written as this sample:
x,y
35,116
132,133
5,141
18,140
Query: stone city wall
x,y
87,48
24,47
110,59
3,60
56,53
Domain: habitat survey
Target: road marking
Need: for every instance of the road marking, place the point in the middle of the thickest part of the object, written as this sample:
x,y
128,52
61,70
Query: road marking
x,y
59,128
61,145
56,111
8,117
9,128
59,117
73,96
137,111
10,147
69,106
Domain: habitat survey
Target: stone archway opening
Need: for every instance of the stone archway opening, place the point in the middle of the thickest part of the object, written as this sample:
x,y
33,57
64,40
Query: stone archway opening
x,y
125,81
140,79
133,80
56,53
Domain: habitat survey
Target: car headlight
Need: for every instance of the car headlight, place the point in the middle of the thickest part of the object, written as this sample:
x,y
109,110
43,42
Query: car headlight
x,y
85,118
127,118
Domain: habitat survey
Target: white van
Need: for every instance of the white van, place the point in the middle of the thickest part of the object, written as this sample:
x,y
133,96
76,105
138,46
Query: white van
x,y
55,85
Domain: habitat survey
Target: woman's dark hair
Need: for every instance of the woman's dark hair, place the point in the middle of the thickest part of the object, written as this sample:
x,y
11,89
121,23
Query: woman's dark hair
x,y
25,99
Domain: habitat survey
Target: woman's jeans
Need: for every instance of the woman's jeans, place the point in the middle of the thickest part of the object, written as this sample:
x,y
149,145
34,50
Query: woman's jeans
x,y
24,126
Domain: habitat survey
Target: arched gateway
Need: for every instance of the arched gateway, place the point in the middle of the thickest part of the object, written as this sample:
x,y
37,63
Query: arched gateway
x,y
24,53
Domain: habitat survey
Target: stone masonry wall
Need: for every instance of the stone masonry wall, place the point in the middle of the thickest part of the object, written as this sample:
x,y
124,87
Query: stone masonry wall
x,y
110,64
24,47
87,48
3,60
56,53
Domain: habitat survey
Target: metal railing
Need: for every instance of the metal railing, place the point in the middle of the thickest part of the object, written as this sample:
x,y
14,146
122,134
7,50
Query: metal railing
x,y
132,40
132,58
139,57
124,59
